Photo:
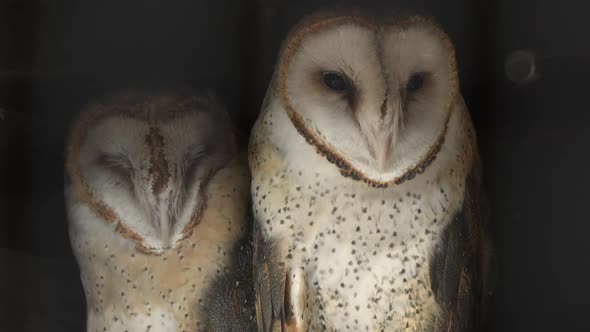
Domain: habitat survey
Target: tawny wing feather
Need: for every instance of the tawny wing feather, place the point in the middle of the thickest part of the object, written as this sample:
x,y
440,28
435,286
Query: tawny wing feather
x,y
462,268
270,282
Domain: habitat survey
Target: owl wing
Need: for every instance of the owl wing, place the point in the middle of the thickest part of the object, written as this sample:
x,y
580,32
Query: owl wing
x,y
271,284
232,294
461,271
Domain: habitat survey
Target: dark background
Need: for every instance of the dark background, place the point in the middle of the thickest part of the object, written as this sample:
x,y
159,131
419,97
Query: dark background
x,y
55,56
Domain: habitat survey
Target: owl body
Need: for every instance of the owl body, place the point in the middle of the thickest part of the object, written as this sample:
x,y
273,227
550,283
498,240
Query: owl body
x,y
145,269
365,199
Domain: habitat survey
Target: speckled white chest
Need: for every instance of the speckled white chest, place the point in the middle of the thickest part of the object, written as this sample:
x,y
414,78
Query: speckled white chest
x,y
358,256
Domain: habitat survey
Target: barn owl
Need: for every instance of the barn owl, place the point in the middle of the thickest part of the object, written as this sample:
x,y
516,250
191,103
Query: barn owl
x,y
366,186
157,196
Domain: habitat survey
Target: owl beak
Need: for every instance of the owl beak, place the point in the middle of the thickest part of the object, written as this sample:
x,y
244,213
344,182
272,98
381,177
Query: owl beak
x,y
157,211
380,149
157,208
164,221
378,125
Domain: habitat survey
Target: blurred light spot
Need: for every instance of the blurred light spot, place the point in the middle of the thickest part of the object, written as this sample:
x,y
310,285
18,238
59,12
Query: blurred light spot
x,y
520,67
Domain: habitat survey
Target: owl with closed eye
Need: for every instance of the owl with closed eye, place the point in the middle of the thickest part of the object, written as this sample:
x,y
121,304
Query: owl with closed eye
x,y
366,185
157,198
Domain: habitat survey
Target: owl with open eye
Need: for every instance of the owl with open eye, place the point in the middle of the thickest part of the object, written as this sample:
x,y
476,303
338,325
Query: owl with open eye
x,y
157,197
366,186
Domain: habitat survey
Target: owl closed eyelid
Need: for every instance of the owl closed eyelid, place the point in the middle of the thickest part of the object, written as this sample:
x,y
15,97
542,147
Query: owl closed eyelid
x,y
118,165
193,163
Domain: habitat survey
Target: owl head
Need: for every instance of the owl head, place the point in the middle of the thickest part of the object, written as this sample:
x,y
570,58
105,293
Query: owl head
x,y
141,161
374,97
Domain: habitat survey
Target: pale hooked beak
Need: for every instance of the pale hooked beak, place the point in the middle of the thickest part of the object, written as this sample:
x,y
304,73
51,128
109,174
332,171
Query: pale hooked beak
x,y
164,220
379,128
380,147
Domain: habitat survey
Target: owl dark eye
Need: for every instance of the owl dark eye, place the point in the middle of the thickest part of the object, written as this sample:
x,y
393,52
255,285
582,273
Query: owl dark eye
x,y
335,81
415,82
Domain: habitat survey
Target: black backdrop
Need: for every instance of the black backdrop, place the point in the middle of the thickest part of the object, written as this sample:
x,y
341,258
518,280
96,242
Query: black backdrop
x,y
57,55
